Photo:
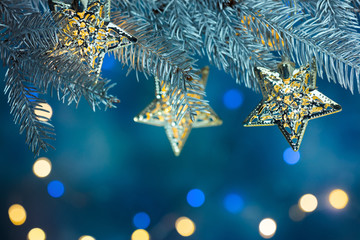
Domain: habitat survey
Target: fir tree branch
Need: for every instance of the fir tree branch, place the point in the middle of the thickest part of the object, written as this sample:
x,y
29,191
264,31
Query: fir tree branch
x,y
307,37
63,73
10,12
24,33
6,52
155,55
228,44
29,45
336,13
218,26
176,14
149,10
35,31
23,103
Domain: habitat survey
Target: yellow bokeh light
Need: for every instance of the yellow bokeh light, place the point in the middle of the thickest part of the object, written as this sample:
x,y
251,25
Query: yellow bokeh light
x,y
267,228
296,214
184,226
86,237
36,234
140,234
43,115
338,199
17,214
42,167
308,203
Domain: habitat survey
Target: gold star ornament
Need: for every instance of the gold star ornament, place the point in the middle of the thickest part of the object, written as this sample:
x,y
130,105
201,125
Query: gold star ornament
x,y
290,100
159,113
86,31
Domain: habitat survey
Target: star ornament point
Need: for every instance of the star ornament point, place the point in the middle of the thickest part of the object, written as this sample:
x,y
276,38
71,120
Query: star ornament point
x,y
290,100
159,113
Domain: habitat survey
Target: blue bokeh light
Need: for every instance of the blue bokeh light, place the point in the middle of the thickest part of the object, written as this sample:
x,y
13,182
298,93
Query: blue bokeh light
x,y
55,189
290,156
109,62
195,197
141,220
233,203
233,99
32,96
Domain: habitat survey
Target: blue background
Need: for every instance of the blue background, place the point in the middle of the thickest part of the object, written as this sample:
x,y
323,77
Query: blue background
x,y
113,168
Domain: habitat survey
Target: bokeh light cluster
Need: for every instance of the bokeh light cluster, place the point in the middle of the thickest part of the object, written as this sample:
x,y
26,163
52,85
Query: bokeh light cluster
x,y
184,226
17,214
308,203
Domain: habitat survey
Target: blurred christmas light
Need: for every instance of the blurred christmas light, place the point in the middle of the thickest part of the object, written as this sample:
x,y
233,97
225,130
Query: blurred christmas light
x,y
109,62
140,234
36,234
233,99
267,228
308,203
17,214
86,237
42,167
290,156
338,199
32,95
233,203
141,220
195,198
43,115
296,214
185,226
56,189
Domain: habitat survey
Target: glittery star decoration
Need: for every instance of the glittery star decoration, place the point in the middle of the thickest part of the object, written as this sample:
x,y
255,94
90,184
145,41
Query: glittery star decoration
x,y
290,100
87,31
158,113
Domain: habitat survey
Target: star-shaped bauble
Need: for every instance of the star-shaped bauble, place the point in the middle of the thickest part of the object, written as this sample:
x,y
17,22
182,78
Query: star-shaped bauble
x,y
159,113
290,100
87,31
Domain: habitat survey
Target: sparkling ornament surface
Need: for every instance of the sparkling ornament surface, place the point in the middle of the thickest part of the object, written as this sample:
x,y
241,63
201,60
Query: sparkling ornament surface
x,y
88,33
159,113
290,100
